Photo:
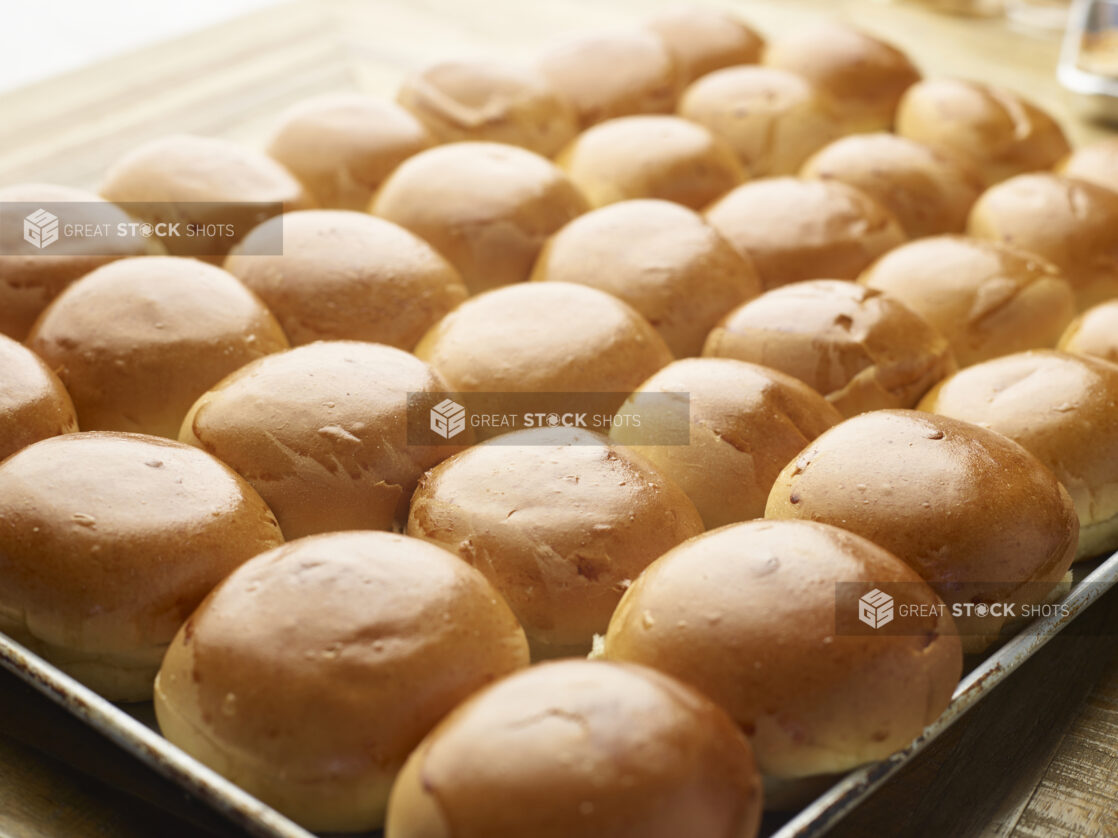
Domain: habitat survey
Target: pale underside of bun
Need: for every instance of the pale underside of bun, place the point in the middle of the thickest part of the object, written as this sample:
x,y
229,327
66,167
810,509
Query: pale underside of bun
x,y
123,675
323,803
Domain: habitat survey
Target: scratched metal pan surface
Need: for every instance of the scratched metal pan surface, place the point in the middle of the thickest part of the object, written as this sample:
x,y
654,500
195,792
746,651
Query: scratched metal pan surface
x,y
129,726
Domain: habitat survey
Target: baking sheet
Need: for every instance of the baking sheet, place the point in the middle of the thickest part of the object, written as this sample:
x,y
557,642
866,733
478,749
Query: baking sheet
x,y
1090,581
132,726
141,740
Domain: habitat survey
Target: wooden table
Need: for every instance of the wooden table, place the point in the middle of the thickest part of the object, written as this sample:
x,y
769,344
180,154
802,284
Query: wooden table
x,y
1039,757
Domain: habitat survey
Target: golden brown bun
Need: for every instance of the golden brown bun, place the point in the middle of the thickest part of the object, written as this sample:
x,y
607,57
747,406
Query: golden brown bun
x,y
311,673
109,541
865,76
1069,222
861,349
486,100
616,73
29,282
702,39
988,299
660,258
974,513
321,432
347,275
560,523
746,614
222,179
1097,163
746,423
342,146
33,403
926,190
579,748
797,229
1094,332
138,341
651,157
587,749
486,207
1061,408
773,119
998,132
544,337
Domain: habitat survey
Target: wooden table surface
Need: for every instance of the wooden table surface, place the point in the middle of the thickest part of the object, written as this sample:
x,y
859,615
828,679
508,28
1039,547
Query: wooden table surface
x,y
1038,757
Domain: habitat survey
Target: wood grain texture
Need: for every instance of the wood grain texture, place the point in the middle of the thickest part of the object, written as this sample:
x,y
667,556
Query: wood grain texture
x,y
1039,757
43,798
1078,792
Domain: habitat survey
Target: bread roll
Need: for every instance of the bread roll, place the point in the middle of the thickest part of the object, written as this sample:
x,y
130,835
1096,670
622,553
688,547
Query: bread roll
x,y
486,100
987,299
559,522
342,146
998,132
614,73
651,157
926,190
746,423
1069,222
486,207
796,229
863,75
137,341
109,541
218,186
1097,162
596,750
861,349
974,513
544,337
347,276
747,615
1059,407
321,432
31,278
311,673
1094,332
702,39
33,403
773,119
660,258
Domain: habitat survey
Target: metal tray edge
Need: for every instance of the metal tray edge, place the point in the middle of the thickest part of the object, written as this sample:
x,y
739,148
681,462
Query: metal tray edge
x,y
834,804
146,745
261,820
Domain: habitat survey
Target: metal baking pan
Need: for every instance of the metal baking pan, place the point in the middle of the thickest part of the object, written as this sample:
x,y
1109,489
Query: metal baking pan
x,y
1089,57
131,726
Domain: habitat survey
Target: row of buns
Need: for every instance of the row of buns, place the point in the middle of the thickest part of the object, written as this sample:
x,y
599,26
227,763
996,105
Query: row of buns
x,y
616,294
894,352
736,120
